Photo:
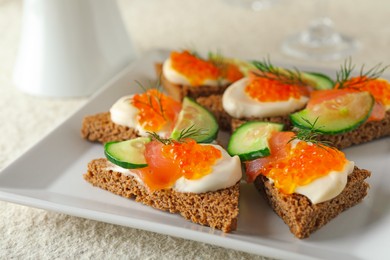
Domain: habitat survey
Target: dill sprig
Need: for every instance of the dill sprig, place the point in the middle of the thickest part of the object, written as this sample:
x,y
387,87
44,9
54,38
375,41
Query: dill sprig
x,y
162,140
345,74
267,70
216,58
190,132
157,85
157,98
311,135
219,61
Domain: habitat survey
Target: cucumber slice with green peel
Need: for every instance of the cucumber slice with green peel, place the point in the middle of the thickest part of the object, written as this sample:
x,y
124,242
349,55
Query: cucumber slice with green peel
x,y
336,116
198,118
250,140
127,154
317,80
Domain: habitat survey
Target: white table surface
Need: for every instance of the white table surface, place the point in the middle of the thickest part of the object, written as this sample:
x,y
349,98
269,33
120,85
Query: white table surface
x,y
172,24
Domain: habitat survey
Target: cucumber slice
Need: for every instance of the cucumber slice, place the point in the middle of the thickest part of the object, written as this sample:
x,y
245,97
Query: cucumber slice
x,y
318,80
336,116
250,140
198,117
127,154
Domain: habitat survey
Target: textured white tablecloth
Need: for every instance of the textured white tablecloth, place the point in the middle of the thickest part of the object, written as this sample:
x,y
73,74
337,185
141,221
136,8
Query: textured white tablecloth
x,y
204,25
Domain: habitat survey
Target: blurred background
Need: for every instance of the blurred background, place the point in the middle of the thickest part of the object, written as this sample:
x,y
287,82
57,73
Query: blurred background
x,y
241,31
234,29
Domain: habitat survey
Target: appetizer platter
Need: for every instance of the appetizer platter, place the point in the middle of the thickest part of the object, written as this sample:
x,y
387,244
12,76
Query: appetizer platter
x,y
245,221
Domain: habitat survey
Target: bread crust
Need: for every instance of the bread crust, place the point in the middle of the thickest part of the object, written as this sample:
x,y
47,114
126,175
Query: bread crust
x,y
218,209
302,217
178,91
367,132
100,128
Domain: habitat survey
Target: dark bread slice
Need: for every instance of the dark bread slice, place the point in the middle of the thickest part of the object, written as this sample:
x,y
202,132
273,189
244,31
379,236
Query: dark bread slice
x,y
303,217
100,128
218,209
178,92
366,132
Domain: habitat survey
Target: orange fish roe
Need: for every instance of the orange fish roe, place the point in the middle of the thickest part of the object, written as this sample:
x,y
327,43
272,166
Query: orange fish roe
x,y
293,164
304,163
193,159
193,68
231,72
156,110
379,88
270,90
167,163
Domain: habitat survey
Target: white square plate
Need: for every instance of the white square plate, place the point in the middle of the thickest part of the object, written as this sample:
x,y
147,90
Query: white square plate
x,y
49,176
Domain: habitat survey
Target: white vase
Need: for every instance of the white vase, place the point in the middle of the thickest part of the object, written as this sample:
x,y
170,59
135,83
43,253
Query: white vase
x,y
69,48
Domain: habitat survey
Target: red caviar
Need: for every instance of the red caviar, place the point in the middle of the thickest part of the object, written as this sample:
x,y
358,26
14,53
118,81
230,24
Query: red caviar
x,y
169,162
156,110
231,72
271,90
197,70
291,165
193,68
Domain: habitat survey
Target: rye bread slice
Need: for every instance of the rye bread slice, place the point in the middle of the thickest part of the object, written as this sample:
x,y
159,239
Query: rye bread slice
x,y
178,91
303,217
218,209
100,128
367,132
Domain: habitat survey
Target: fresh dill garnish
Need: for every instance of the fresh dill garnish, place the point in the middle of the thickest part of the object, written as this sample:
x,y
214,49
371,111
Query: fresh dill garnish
x,y
162,140
218,60
191,132
157,85
153,98
185,133
311,135
345,74
267,70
